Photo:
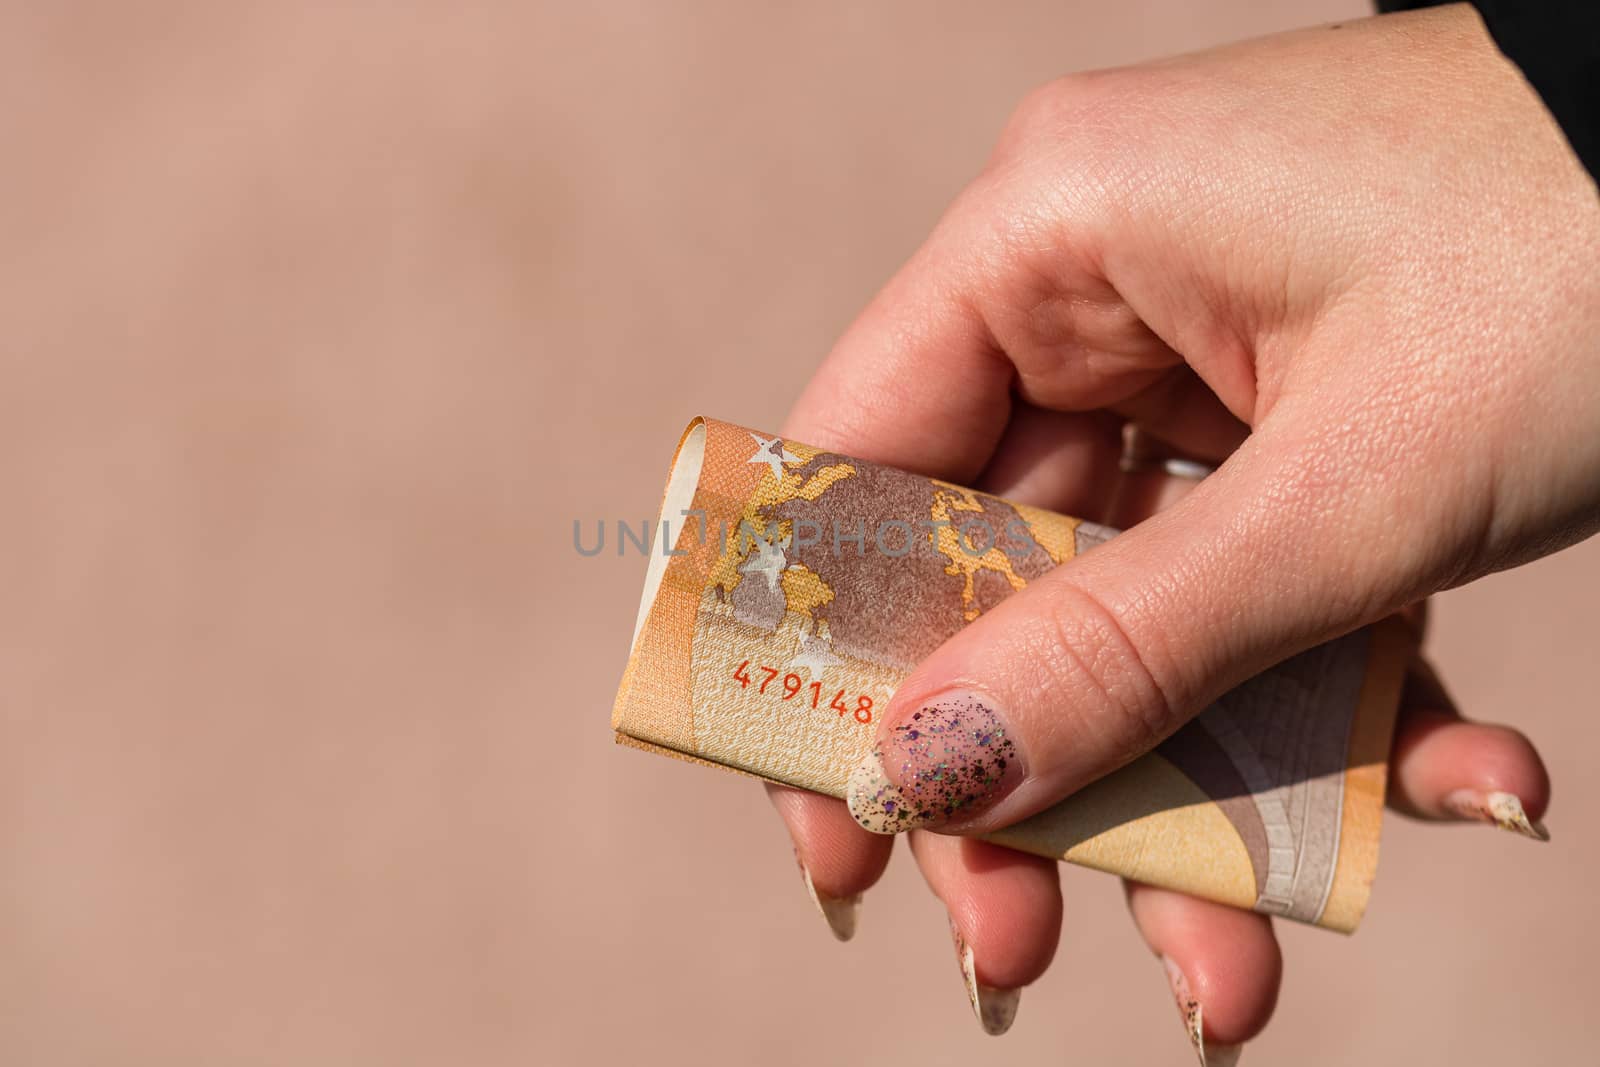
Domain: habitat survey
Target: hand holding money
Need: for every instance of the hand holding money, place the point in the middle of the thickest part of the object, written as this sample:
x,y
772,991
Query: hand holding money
x,y
1374,427
1374,443
781,616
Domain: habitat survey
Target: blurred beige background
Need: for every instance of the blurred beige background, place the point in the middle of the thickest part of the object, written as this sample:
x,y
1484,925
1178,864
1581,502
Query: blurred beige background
x,y
319,326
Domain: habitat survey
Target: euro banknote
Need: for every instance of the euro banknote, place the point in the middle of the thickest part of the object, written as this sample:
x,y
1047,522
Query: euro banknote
x,y
791,589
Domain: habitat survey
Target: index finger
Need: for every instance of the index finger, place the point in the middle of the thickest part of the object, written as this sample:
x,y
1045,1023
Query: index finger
x,y
1007,296
916,381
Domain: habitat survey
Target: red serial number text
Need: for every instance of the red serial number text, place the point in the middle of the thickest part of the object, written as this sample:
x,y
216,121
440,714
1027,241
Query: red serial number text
x,y
793,687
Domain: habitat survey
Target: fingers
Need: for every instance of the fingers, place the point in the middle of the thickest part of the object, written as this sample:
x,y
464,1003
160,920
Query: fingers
x,y
838,862
1223,966
916,381
1450,769
1096,662
1005,918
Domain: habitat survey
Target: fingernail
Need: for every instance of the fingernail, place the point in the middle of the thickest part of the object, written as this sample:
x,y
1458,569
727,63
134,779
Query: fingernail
x,y
949,760
840,913
1194,1021
1502,809
996,1009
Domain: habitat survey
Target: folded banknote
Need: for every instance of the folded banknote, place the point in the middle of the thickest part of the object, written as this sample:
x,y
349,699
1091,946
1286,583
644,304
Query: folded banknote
x,y
790,589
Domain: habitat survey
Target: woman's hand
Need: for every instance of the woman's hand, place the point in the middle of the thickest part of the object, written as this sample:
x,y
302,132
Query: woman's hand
x,y
1357,266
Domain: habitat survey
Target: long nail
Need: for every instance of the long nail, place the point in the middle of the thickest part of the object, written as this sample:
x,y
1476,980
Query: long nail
x,y
1503,809
841,913
949,761
1194,1021
996,1009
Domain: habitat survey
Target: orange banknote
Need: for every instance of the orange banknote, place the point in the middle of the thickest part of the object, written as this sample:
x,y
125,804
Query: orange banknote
x,y
790,589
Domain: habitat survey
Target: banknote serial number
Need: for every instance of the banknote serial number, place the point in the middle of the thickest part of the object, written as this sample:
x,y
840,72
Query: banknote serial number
x,y
794,686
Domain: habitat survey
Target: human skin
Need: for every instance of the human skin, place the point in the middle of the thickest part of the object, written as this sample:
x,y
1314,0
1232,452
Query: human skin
x,y
1359,267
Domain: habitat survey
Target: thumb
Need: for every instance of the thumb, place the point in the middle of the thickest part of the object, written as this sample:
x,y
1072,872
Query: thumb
x,y
1096,662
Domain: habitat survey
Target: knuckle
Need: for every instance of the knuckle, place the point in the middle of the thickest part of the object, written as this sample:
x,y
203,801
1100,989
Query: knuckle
x,y
1033,116
1104,682
1067,110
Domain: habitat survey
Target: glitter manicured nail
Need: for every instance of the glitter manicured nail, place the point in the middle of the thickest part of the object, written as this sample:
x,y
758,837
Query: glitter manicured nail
x,y
1503,809
948,761
1194,1021
996,1009
840,913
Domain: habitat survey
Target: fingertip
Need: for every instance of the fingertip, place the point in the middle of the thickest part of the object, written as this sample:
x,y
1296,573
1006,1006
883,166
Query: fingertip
x,y
1240,991
1509,762
840,859
1222,962
1006,905
1439,759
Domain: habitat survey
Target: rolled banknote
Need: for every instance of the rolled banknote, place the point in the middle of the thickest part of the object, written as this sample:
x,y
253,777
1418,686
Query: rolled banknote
x,y
790,589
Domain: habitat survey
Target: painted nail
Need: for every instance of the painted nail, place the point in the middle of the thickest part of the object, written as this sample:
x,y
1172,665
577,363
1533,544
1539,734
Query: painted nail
x,y
1194,1021
840,913
996,1009
948,761
1502,809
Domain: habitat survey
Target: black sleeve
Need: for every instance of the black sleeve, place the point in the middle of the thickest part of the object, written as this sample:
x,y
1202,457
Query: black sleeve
x,y
1557,45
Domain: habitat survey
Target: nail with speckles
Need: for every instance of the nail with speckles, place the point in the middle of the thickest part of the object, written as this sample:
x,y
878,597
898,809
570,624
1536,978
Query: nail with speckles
x,y
840,913
996,1009
1502,809
1193,1013
948,761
